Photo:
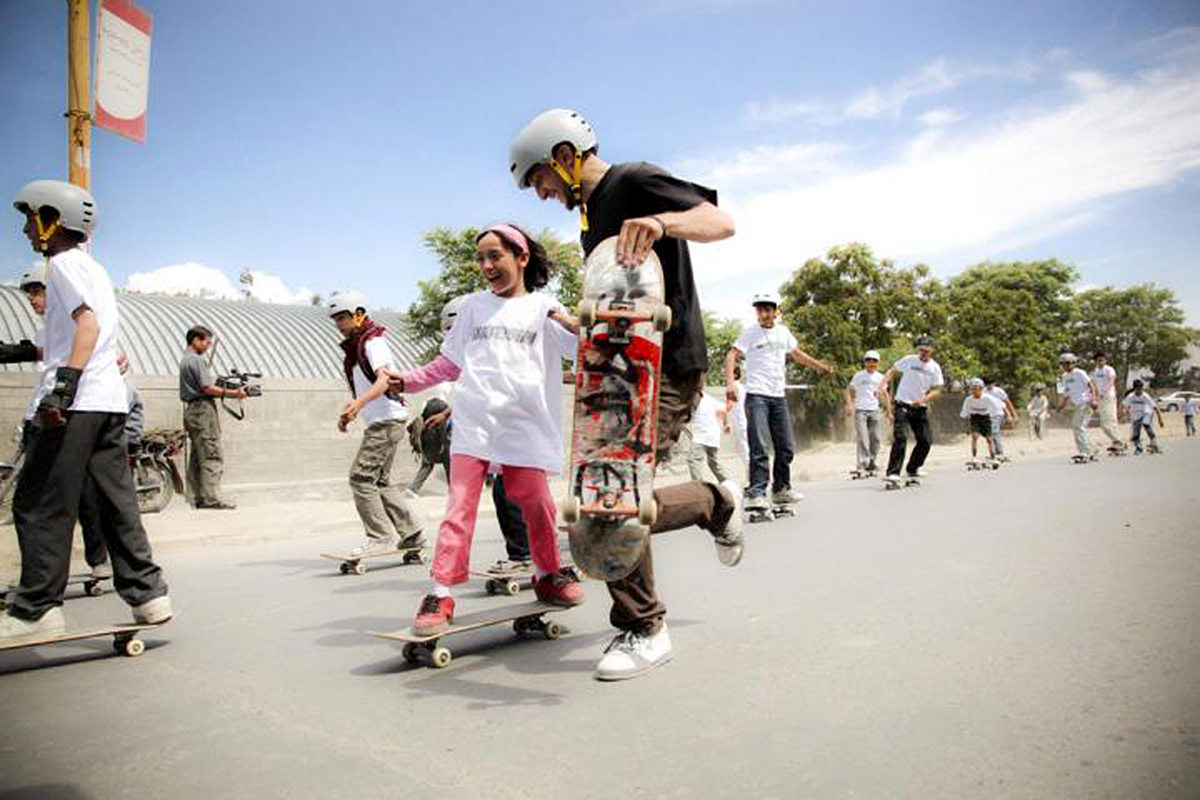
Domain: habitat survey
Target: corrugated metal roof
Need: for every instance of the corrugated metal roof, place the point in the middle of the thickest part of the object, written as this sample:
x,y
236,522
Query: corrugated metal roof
x,y
280,341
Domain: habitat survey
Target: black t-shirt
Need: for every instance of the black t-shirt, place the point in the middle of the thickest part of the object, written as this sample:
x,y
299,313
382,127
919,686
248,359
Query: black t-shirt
x,y
639,189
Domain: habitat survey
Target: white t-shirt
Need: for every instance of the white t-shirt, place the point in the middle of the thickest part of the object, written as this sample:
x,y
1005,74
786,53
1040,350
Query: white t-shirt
x,y
39,340
74,279
382,408
1038,405
509,352
865,385
1141,406
766,352
916,378
1001,396
1074,384
984,404
706,426
1189,407
1105,379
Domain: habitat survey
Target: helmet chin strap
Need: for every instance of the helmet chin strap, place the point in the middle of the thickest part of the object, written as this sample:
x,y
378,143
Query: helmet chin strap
x,y
574,181
44,234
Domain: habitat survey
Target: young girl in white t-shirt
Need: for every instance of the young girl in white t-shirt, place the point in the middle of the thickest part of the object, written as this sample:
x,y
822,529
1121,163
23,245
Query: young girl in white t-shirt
x,y
504,354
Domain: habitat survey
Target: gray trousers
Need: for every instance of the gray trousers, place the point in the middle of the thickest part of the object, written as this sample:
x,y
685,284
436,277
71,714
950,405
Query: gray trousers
x,y
206,462
997,441
696,458
381,505
1079,424
866,433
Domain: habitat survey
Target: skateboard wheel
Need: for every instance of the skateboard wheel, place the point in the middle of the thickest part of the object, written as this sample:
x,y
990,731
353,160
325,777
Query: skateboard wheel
x,y
490,586
662,318
93,589
411,652
570,509
552,630
132,647
587,313
360,569
439,657
344,568
513,588
647,511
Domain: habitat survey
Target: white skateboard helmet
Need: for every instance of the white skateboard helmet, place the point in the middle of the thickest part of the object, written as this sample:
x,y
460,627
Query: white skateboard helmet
x,y
75,206
347,302
975,383
450,311
871,355
35,277
766,299
1067,358
536,142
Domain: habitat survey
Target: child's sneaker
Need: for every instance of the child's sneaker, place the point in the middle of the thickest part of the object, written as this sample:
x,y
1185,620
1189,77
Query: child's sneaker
x,y
102,571
371,547
153,612
434,615
559,588
51,623
413,540
756,503
632,654
785,497
731,542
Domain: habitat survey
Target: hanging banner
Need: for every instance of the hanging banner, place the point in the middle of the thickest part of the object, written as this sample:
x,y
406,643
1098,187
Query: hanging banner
x,y
122,68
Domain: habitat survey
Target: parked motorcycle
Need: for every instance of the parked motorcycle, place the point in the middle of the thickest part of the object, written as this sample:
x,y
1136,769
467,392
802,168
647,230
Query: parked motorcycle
x,y
156,473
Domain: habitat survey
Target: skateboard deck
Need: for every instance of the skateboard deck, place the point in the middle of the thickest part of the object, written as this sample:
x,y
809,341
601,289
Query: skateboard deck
x,y
892,484
92,587
1082,459
352,563
610,504
526,619
125,638
982,464
510,583
860,474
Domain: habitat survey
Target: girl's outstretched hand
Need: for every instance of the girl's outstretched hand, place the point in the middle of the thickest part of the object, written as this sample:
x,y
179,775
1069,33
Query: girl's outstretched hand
x,y
566,320
395,382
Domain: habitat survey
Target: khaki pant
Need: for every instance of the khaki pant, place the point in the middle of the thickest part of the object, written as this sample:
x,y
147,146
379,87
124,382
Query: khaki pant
x,y
635,603
381,506
1080,418
1108,420
206,463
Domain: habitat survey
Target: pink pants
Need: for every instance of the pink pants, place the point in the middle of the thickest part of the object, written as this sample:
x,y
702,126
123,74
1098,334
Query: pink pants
x,y
525,486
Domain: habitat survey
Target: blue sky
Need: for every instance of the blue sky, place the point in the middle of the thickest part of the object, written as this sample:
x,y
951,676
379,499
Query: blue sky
x,y
315,142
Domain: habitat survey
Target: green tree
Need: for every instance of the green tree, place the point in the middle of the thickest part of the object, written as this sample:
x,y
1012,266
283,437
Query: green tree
x,y
459,274
1010,319
1141,327
720,335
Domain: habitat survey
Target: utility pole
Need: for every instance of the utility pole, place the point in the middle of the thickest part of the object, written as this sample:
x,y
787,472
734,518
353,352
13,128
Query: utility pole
x,y
79,116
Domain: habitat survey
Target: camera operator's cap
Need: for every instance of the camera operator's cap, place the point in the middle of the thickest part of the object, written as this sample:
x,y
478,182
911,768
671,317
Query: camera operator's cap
x,y
871,355
924,341
35,277
975,383
1067,358
346,302
766,299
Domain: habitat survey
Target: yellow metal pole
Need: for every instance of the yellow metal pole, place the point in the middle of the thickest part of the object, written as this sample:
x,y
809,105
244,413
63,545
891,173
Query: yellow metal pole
x,y
79,116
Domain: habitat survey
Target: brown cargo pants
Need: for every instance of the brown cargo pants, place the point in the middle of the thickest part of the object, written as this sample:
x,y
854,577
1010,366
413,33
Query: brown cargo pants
x,y
206,462
384,511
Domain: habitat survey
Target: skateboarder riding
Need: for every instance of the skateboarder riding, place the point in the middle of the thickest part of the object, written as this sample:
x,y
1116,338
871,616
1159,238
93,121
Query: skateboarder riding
x,y
81,412
767,347
505,341
980,409
865,403
920,382
647,208
1142,409
1075,387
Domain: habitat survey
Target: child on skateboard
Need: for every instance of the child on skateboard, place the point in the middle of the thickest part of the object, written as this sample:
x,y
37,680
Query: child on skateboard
x,y
980,410
1076,388
864,402
1006,412
1141,408
707,425
556,154
390,521
767,347
505,343
81,411
1104,378
1038,409
920,382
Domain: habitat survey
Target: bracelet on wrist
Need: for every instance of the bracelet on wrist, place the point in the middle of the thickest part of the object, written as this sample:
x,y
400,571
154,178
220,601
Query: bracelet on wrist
x,y
661,224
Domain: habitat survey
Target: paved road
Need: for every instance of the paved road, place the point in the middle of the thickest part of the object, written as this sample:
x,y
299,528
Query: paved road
x,y
1025,634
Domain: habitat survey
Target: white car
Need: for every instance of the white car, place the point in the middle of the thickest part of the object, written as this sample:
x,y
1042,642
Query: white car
x,y
1174,401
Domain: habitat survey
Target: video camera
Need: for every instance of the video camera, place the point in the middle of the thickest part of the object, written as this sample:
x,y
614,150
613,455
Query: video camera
x,y
244,381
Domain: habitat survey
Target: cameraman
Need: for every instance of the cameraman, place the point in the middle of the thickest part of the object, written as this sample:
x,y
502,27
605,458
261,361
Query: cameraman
x,y
202,421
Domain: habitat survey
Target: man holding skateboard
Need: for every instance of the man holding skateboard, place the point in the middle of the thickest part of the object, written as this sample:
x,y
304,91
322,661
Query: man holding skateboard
x,y
556,154
81,412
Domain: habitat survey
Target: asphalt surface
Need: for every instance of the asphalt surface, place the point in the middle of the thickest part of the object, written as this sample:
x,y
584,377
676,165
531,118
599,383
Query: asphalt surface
x,y
1030,633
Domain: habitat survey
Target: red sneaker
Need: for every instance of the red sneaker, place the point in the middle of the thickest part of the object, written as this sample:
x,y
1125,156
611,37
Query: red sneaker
x,y
560,588
434,615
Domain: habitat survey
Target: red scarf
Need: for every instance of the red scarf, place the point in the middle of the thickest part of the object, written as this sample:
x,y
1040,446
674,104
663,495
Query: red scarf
x,y
355,349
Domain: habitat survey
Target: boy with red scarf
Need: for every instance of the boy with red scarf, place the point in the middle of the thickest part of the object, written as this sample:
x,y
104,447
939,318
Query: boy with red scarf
x,y
390,521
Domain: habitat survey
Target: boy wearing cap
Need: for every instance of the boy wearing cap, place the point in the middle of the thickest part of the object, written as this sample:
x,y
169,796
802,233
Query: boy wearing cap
x,y
1075,387
864,402
1141,409
980,409
920,382
767,346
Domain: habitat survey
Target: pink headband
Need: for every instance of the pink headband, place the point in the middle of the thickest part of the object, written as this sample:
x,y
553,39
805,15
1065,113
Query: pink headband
x,y
512,235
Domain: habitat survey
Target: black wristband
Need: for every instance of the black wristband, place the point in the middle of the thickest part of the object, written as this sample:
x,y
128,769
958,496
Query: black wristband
x,y
22,351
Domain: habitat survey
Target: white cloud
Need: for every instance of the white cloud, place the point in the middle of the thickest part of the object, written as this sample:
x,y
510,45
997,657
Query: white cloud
x,y
939,117
1030,174
775,111
192,279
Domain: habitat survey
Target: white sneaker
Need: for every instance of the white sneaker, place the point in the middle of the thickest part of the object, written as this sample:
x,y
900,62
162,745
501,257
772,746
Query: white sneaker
x,y
756,503
52,623
731,543
631,654
153,612
371,547
786,497
102,571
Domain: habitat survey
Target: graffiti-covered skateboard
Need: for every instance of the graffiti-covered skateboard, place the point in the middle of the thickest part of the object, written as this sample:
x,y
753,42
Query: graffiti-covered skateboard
x,y
610,505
